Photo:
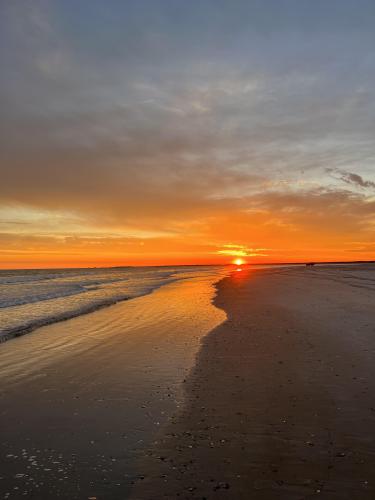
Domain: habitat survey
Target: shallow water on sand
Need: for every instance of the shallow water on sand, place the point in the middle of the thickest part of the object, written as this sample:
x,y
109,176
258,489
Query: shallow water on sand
x,y
33,298
81,399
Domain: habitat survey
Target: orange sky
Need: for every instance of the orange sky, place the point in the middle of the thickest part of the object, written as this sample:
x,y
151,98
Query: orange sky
x,y
186,136
259,236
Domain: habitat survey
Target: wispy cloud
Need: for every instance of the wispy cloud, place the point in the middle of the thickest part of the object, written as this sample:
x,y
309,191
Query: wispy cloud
x,y
193,129
241,251
351,178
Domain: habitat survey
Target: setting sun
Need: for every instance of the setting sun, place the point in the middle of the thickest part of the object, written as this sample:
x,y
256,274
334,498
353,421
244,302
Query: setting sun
x,y
238,262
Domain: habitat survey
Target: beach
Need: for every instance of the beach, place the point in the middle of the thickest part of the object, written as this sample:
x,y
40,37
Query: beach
x,y
280,404
258,384
81,399
187,250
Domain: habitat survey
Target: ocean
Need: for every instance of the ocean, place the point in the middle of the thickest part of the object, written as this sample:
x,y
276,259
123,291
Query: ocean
x,y
33,298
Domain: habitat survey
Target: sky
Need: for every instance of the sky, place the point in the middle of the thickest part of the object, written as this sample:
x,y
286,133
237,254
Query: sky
x,y
160,132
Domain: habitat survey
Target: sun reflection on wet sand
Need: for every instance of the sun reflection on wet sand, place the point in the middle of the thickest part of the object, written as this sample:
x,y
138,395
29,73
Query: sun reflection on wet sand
x,y
119,369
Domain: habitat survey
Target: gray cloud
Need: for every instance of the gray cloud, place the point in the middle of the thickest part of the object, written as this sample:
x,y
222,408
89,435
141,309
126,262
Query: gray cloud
x,y
154,117
351,178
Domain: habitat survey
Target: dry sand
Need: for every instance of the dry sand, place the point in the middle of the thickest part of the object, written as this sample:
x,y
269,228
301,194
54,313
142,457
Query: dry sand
x,y
281,402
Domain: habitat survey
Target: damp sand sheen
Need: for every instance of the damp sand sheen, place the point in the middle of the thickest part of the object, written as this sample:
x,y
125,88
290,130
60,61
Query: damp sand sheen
x,y
255,384
80,399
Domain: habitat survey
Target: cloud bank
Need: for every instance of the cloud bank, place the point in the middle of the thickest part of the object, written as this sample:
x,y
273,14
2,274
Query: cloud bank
x,y
160,131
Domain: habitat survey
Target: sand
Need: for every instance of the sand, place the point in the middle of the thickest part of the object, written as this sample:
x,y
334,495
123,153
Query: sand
x,y
281,402
81,399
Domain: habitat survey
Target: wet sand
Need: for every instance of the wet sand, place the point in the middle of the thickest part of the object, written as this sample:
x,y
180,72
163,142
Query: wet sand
x,y
80,400
281,402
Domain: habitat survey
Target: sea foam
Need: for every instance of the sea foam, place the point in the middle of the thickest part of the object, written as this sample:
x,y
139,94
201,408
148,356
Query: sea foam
x,y
33,298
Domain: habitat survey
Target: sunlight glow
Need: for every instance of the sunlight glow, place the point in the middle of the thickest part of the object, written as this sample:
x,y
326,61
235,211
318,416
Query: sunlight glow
x,y
238,262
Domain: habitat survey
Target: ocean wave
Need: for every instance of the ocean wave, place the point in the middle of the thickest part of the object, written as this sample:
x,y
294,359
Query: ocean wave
x,y
31,299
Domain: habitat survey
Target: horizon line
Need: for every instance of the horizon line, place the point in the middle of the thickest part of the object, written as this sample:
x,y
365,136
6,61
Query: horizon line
x,y
193,265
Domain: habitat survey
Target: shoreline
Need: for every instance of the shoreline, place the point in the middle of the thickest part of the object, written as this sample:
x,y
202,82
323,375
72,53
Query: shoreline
x,y
82,399
279,403
4,337
20,315
21,331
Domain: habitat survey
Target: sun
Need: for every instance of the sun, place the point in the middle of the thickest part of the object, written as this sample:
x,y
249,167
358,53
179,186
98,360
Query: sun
x,y
238,262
